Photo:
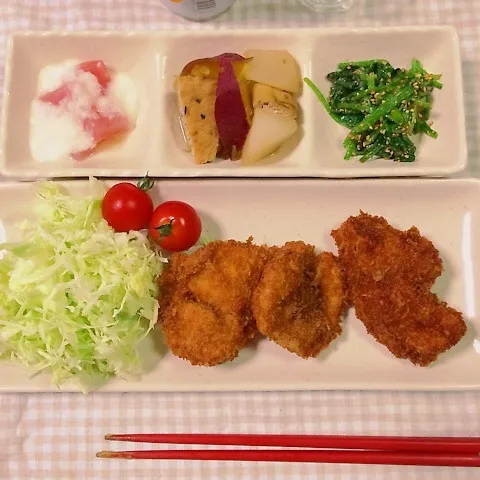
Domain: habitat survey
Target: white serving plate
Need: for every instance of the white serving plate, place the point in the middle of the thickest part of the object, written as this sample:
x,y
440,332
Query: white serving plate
x,y
153,59
274,211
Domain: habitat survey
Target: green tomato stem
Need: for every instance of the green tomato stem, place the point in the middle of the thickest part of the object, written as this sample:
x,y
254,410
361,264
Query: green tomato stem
x,y
165,230
146,183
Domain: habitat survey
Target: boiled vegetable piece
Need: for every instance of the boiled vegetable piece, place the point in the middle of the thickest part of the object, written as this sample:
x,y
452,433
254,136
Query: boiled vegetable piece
x,y
268,132
230,114
277,68
210,67
274,100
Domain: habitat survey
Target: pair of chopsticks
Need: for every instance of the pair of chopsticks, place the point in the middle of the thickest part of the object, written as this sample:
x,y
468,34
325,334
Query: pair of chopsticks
x,y
426,451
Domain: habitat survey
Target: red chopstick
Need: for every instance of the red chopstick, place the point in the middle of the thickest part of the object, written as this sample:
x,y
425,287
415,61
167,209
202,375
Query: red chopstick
x,y
378,457
418,444
425,451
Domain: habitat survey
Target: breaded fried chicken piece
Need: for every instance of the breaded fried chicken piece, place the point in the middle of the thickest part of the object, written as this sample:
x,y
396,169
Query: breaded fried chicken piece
x,y
389,275
205,301
299,299
332,286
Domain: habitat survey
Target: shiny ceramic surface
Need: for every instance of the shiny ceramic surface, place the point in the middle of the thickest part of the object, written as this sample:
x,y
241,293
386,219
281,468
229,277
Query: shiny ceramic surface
x,y
153,59
275,211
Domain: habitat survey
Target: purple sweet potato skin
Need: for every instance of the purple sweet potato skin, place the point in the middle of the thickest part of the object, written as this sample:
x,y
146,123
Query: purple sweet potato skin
x,y
230,115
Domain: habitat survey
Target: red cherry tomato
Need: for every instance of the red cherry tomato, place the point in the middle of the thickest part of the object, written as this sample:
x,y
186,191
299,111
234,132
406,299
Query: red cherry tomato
x,y
128,207
175,226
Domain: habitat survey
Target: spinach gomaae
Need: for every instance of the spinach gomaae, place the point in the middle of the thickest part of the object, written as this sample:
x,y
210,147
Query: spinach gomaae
x,y
382,106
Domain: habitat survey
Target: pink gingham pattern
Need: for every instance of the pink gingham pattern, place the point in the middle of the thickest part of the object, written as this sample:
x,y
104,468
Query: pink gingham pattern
x,y
55,436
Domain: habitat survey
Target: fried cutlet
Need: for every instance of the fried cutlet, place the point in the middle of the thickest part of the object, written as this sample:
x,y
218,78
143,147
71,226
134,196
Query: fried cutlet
x,y
389,275
205,301
299,299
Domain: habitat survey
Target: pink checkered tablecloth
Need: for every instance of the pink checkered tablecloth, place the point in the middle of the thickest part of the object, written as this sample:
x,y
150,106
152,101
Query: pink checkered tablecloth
x,y
55,436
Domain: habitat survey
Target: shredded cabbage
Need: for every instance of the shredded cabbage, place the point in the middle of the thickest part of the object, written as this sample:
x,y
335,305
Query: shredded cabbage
x,y
76,298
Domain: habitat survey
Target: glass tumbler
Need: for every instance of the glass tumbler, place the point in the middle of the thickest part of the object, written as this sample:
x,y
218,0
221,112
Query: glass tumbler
x,y
327,5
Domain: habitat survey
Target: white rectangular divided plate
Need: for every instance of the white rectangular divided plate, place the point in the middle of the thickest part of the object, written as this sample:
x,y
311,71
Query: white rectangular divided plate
x,y
153,59
275,211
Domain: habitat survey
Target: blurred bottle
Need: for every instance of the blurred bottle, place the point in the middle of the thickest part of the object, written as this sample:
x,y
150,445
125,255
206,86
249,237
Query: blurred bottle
x,y
327,5
198,10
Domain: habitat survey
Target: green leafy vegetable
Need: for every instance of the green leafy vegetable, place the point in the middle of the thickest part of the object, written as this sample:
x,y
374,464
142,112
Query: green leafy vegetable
x,y
76,298
382,106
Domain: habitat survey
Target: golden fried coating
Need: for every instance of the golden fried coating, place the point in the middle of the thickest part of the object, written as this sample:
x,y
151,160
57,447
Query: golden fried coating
x,y
299,299
389,274
332,286
205,301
